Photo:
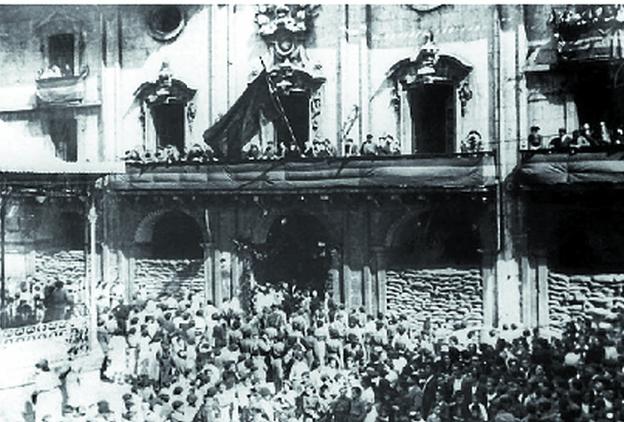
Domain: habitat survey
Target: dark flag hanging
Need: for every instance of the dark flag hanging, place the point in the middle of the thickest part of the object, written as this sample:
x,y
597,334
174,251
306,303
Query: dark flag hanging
x,y
242,121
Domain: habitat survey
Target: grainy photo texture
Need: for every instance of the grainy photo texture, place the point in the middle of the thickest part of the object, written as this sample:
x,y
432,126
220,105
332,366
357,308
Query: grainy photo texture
x,y
303,212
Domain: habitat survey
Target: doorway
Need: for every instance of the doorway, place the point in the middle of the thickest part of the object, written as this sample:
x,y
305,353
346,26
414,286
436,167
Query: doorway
x,y
297,110
432,109
169,125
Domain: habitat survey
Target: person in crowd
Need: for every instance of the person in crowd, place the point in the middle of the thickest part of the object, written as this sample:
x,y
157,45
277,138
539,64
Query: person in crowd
x,y
472,143
368,147
57,301
350,149
535,138
47,396
561,141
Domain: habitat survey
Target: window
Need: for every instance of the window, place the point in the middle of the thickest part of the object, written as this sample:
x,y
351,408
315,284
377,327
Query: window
x,y
432,108
166,22
61,53
64,136
297,109
169,124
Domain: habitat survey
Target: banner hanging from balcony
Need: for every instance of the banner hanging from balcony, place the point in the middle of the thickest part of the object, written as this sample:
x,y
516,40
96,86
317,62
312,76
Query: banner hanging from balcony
x,y
242,121
457,172
582,169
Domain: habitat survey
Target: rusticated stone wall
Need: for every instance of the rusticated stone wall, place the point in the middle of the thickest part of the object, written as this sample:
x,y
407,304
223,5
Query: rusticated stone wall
x,y
574,296
66,266
444,295
156,276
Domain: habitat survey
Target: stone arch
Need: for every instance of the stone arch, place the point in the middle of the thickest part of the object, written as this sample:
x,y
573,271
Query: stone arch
x,y
145,229
397,225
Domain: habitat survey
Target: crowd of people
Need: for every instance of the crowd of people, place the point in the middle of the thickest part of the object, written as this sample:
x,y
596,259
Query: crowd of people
x,y
190,361
37,301
384,145
584,137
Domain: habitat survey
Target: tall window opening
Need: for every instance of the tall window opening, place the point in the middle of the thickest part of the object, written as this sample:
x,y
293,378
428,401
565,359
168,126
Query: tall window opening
x,y
71,226
297,109
169,124
61,53
432,109
63,132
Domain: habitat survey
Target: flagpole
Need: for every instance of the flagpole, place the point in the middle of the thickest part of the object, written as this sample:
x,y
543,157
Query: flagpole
x,y
279,103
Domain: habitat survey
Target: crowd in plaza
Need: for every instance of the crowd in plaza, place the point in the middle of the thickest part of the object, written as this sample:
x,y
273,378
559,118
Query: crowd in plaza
x,y
183,360
36,301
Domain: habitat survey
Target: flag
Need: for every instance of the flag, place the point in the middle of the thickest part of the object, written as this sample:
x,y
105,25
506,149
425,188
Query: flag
x,y
242,121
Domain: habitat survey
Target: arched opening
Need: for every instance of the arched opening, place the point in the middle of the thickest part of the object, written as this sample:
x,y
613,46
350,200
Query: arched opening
x,y
297,253
176,236
434,268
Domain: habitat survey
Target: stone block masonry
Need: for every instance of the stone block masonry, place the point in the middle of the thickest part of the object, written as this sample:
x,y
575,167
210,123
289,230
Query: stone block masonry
x,y
67,266
156,276
580,296
445,296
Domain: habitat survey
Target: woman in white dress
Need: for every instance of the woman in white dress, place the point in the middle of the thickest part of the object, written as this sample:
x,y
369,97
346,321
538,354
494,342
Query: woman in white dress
x,y
47,394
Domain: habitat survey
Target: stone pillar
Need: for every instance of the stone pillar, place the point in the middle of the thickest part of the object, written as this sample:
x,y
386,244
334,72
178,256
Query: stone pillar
x,y
367,281
543,311
217,281
92,217
488,273
334,274
380,278
209,265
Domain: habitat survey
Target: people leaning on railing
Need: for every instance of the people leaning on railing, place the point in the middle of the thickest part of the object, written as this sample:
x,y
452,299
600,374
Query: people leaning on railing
x,y
582,138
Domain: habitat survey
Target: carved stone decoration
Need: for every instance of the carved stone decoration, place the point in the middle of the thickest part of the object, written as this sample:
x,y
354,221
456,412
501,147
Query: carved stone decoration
x,y
285,30
166,90
191,113
464,94
430,66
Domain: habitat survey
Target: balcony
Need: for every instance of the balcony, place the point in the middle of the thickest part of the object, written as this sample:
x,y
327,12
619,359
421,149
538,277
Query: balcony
x,y
460,172
60,90
583,168
589,32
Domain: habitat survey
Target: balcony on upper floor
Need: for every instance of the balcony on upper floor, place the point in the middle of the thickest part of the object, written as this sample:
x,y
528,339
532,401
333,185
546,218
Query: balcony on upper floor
x,y
55,88
589,32
576,168
471,172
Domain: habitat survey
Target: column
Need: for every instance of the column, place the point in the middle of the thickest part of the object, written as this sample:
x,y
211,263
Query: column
x,y
488,272
367,281
380,278
209,271
543,311
217,282
93,344
334,274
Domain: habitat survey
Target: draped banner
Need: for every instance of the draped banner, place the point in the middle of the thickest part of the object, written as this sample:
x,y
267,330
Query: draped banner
x,y
242,121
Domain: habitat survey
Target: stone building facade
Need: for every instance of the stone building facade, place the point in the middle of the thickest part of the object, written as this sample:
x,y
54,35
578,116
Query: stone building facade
x,y
439,232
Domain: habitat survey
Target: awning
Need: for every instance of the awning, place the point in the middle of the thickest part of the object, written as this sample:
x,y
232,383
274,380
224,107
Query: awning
x,y
457,172
583,169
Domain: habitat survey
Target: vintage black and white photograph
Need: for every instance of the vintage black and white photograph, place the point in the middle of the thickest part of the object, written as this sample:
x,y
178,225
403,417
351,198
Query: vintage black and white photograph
x,y
341,212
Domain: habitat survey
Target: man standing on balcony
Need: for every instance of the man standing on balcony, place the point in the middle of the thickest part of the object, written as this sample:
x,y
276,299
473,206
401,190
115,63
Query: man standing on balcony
x,y
535,138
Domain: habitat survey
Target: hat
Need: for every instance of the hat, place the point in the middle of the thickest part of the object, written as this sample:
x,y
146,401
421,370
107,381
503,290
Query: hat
x,y
264,392
43,364
103,407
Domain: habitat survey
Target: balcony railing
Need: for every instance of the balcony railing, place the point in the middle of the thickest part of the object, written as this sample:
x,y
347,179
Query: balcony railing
x,y
586,32
60,90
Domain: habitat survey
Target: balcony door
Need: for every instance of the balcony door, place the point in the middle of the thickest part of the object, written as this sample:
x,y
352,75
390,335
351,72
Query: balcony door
x,y
432,109
297,109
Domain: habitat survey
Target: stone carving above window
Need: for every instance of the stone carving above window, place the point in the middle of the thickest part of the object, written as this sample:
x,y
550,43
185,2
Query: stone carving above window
x,y
165,90
429,66
286,30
